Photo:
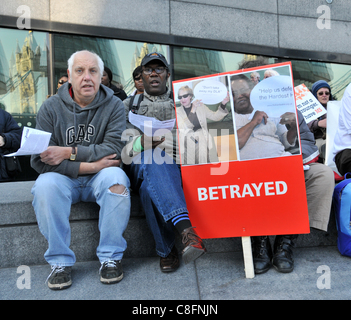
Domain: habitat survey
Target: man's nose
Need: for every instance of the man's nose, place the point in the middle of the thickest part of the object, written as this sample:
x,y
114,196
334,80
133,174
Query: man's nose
x,y
86,76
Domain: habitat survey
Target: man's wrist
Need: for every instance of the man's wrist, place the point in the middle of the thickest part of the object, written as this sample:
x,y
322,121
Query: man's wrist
x,y
72,154
137,147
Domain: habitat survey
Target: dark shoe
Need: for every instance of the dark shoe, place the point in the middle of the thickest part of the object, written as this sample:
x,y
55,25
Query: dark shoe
x,y
171,262
283,255
193,245
262,254
111,271
59,278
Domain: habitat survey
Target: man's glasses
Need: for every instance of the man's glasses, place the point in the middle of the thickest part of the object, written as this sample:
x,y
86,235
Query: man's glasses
x,y
62,81
327,93
158,70
137,78
183,96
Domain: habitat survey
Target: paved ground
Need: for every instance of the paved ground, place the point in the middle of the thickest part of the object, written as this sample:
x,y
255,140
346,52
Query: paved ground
x,y
215,276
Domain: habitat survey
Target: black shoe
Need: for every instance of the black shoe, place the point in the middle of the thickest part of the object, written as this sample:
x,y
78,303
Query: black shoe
x,y
262,254
171,262
111,271
59,278
283,255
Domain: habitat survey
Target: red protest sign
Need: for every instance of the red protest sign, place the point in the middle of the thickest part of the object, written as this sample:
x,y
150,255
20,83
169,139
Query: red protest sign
x,y
241,184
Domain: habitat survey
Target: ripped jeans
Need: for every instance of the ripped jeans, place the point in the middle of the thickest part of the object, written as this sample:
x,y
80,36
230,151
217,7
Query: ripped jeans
x,y
54,194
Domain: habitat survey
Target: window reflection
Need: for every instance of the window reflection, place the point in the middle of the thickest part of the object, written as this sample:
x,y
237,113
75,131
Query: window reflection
x,y
122,57
192,62
23,80
24,68
23,73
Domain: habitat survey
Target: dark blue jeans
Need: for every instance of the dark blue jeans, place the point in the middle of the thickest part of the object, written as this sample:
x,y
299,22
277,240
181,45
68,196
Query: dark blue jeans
x,y
160,189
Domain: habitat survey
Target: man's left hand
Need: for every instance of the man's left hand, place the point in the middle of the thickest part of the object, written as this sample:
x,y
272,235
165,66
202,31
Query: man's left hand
x,y
54,155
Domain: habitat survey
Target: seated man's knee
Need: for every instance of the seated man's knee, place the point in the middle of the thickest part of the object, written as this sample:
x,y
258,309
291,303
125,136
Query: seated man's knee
x,y
119,189
47,182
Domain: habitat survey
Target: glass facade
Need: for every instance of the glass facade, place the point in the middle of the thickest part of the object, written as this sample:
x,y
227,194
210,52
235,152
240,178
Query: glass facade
x,y
23,73
191,62
122,57
25,65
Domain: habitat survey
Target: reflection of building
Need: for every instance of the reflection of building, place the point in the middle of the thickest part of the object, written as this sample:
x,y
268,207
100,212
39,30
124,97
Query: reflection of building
x,y
66,45
3,69
25,76
306,72
136,61
191,62
27,61
145,49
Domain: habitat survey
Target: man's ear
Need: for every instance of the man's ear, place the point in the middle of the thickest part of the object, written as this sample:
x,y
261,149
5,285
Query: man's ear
x,y
69,76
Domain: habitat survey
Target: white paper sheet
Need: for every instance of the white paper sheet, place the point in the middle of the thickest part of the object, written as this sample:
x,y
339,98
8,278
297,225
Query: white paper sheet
x,y
33,141
150,126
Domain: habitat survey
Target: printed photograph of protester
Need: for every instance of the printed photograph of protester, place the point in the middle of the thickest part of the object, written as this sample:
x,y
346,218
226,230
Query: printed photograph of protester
x,y
265,114
204,121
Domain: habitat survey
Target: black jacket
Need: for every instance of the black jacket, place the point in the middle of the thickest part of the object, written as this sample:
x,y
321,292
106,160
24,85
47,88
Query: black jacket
x,y
11,133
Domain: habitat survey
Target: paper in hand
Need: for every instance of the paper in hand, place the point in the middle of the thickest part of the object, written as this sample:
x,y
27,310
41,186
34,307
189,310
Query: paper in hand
x,y
151,126
33,141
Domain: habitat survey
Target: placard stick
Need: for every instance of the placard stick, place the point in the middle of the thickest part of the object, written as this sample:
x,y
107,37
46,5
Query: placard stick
x,y
248,261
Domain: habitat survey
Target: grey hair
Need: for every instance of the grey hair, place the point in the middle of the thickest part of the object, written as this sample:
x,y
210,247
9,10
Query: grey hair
x,y
71,61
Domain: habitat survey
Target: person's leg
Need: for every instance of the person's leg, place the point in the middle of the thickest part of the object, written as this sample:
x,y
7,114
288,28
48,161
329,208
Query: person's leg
x,y
110,189
261,253
162,230
320,183
343,161
283,259
53,195
159,183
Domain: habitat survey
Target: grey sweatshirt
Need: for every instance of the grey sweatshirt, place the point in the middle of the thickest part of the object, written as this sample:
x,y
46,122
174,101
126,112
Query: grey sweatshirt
x,y
99,128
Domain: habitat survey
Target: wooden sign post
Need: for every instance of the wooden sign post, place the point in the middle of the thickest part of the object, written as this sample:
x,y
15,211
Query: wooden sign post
x,y
248,260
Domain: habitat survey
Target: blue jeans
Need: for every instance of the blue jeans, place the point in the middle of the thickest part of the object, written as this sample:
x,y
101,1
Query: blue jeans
x,y
54,194
161,194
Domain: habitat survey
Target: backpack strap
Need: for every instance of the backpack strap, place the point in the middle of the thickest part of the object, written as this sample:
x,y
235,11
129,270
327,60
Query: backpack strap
x,y
134,103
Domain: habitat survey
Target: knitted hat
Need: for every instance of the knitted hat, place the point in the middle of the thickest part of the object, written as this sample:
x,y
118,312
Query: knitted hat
x,y
318,85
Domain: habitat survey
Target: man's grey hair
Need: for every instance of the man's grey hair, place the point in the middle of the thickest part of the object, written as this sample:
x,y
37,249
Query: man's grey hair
x,y
71,61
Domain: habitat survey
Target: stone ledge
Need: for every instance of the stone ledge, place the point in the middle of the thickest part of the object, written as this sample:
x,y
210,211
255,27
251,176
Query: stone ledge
x,y
22,243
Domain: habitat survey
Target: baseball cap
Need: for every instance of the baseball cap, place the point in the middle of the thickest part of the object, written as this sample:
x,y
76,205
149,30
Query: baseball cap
x,y
154,56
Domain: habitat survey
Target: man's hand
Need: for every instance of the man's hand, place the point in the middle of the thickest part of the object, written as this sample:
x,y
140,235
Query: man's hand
x,y
150,142
108,161
322,123
94,167
289,118
258,117
54,155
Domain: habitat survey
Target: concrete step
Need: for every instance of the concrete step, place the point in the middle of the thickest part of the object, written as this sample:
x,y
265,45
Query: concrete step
x,y
21,242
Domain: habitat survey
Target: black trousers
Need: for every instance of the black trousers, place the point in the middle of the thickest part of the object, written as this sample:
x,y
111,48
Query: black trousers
x,y
343,161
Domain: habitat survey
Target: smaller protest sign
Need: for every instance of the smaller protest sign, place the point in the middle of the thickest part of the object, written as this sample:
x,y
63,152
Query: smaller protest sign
x,y
307,103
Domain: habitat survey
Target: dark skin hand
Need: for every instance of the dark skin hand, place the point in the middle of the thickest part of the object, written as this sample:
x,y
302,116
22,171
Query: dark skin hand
x,y
150,142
